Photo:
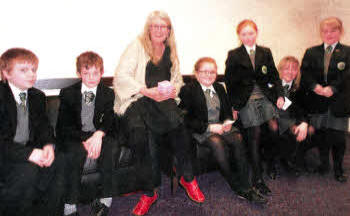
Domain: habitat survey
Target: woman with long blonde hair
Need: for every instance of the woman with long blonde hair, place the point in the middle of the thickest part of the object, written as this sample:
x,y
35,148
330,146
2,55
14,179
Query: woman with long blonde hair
x,y
147,82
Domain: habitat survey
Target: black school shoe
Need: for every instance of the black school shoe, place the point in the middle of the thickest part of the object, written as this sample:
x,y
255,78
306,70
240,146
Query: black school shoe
x,y
98,208
340,178
251,196
262,188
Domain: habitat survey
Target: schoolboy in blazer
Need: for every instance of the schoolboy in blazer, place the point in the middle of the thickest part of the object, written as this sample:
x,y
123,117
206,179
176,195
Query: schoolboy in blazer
x,y
33,170
324,69
87,138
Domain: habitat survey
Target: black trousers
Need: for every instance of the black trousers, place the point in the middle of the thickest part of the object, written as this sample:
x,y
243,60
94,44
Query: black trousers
x,y
32,190
326,140
230,154
144,143
75,159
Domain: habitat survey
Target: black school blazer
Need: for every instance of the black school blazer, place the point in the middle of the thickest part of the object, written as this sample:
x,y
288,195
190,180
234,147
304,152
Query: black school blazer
x,y
240,76
69,117
312,70
296,110
41,132
194,104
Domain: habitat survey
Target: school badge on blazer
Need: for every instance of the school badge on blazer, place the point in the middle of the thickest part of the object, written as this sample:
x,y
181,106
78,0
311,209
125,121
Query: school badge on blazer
x,y
341,65
264,69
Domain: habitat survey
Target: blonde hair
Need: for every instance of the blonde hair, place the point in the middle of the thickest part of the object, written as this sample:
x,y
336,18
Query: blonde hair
x,y
170,41
290,60
333,22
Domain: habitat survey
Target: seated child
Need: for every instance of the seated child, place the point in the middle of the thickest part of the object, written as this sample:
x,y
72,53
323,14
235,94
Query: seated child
x,y
291,127
209,118
84,127
32,171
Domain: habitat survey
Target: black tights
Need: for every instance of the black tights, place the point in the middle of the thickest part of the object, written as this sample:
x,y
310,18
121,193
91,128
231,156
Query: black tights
x,y
229,148
253,141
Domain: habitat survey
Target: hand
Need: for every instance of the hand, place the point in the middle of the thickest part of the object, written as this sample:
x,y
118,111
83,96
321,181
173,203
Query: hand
x,y
169,94
235,114
226,127
311,130
94,144
301,131
36,157
48,155
216,128
154,94
280,102
273,124
327,91
318,89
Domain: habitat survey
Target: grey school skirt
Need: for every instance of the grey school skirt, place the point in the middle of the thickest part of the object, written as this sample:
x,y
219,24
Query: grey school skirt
x,y
257,111
329,121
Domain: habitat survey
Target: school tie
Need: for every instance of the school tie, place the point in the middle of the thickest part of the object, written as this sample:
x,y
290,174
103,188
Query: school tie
x,y
327,59
208,93
89,97
285,89
23,99
252,57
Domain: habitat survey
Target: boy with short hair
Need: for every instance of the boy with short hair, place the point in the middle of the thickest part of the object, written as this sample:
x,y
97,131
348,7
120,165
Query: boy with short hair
x,y
32,172
84,129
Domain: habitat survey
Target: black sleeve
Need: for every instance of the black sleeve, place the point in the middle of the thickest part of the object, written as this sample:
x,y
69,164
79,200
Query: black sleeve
x,y
187,104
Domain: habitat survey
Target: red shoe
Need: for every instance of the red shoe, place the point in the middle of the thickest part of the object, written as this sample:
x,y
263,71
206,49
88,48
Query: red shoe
x,y
144,204
193,191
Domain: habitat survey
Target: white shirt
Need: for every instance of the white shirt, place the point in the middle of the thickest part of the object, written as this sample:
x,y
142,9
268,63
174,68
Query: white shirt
x,y
289,83
212,90
16,91
85,88
248,48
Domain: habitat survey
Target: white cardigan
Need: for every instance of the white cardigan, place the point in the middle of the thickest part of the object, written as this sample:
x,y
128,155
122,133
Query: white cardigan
x,y
129,76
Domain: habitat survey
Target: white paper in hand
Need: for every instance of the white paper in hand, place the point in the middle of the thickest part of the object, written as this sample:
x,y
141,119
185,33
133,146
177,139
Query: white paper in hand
x,y
287,103
227,122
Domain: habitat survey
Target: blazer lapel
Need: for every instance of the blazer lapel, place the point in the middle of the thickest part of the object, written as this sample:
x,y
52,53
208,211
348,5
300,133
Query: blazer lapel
x,y
11,106
337,55
77,99
259,57
245,58
99,104
201,101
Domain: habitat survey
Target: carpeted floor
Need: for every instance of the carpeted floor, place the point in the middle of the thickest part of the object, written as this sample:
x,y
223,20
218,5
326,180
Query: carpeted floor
x,y
310,195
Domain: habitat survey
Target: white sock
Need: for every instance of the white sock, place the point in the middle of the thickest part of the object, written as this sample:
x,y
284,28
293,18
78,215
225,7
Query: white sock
x,y
69,209
107,201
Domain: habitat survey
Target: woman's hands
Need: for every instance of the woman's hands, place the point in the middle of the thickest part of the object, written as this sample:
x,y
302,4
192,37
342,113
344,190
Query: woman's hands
x,y
157,95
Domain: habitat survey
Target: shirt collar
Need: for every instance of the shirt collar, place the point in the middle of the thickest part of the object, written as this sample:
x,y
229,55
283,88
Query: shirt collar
x,y
287,83
85,88
248,48
212,90
333,46
15,91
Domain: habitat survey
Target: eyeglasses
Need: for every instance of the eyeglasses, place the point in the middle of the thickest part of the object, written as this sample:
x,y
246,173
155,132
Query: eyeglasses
x,y
206,72
159,27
